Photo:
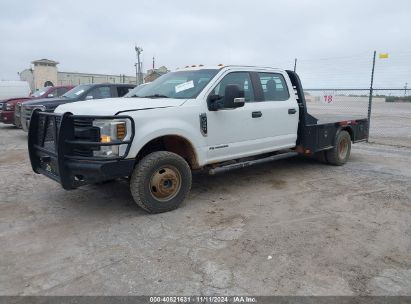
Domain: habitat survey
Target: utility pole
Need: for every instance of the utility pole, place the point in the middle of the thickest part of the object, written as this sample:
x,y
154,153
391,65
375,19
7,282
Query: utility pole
x,y
139,75
295,65
370,97
405,89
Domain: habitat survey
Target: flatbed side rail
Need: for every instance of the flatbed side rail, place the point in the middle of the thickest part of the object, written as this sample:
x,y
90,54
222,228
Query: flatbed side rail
x,y
53,141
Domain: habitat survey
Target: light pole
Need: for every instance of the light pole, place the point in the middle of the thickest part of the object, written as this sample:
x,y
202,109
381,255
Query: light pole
x,y
405,89
139,75
136,73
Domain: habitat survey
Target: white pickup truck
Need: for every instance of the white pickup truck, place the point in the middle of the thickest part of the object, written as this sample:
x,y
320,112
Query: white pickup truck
x,y
209,118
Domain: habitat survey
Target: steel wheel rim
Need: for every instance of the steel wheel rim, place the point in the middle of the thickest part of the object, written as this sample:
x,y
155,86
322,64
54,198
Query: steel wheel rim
x,y
343,148
165,183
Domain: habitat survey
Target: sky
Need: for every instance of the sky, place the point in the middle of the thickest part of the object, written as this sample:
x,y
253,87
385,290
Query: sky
x,y
333,41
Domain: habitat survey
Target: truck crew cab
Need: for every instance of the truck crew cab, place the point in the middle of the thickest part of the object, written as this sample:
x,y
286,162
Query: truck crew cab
x,y
215,119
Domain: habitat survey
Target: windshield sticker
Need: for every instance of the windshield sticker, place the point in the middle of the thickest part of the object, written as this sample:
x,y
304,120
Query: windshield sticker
x,y
184,86
79,92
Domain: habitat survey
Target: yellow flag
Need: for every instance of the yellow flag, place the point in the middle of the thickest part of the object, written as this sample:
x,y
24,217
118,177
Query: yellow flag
x,y
383,55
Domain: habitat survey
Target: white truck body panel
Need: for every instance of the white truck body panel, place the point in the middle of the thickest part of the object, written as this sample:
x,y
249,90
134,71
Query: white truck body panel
x,y
232,133
111,106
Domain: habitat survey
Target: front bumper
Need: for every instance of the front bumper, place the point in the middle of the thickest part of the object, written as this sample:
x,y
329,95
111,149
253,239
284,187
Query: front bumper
x,y
54,150
77,173
7,117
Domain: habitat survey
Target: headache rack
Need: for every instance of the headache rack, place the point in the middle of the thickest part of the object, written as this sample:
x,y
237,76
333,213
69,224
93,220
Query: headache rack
x,y
56,139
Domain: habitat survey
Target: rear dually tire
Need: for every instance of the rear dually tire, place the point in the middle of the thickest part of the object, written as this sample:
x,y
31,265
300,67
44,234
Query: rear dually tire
x,y
340,154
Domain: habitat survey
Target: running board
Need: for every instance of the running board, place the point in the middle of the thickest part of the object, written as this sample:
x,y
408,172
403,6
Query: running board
x,y
248,163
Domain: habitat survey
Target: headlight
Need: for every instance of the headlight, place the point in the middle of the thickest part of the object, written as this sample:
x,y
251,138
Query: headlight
x,y
9,107
35,107
112,131
40,107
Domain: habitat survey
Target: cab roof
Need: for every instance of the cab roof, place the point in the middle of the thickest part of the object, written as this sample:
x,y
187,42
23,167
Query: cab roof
x,y
220,67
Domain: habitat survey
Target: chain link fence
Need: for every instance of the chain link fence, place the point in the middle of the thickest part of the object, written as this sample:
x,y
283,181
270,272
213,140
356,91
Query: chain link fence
x,y
390,121
341,85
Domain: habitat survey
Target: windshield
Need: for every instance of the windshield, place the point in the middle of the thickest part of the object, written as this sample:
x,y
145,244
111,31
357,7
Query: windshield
x,y
180,84
134,91
40,92
77,91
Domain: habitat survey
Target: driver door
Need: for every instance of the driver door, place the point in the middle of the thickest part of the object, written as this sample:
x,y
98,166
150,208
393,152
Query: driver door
x,y
231,133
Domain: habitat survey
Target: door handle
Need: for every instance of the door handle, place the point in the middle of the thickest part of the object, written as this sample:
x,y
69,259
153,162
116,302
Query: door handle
x,y
256,114
292,111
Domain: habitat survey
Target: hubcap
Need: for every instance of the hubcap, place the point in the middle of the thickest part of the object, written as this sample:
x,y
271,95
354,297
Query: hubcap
x,y
343,148
165,183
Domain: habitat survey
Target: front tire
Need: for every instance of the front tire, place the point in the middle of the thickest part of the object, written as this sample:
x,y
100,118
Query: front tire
x,y
160,182
340,154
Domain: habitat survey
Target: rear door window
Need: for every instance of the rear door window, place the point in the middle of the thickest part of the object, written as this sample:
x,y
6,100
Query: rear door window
x,y
274,87
100,92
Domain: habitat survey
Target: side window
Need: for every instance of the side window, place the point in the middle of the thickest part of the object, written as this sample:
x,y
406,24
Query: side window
x,y
121,91
274,87
60,91
241,79
100,92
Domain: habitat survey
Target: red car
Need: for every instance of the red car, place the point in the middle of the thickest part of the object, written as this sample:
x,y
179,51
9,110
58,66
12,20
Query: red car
x,y
8,106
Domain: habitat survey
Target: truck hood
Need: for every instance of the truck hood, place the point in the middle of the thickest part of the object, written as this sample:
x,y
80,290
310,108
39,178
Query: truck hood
x,y
111,106
48,102
15,100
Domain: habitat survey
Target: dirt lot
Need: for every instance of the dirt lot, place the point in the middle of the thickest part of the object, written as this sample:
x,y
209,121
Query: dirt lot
x,y
289,227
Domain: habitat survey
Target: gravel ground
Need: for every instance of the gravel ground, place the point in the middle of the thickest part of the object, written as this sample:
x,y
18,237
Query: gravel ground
x,y
289,227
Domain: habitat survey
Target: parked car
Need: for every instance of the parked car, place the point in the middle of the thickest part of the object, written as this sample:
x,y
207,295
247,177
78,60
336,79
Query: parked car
x,y
13,89
8,106
216,119
80,92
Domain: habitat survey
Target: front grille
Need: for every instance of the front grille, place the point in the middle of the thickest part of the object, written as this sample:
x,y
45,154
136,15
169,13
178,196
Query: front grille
x,y
84,130
83,122
27,112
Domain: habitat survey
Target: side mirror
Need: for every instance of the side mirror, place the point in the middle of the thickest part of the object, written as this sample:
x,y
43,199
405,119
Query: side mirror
x,y
88,97
233,97
213,102
50,95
